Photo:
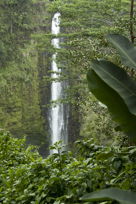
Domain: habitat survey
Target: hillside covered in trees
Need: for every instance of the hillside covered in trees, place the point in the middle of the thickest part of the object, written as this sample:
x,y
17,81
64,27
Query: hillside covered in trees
x,y
96,56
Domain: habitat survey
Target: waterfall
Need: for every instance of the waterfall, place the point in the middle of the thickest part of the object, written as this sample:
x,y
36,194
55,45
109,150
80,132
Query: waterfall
x,y
58,113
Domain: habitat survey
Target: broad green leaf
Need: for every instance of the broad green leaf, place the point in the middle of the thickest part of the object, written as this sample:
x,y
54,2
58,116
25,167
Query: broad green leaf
x,y
122,196
117,79
114,102
126,49
104,155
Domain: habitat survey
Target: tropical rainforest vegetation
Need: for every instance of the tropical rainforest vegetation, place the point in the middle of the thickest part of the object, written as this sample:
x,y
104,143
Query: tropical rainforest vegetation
x,y
97,41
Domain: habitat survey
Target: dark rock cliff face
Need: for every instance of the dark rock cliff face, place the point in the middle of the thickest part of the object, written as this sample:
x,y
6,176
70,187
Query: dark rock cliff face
x,y
73,126
43,67
44,92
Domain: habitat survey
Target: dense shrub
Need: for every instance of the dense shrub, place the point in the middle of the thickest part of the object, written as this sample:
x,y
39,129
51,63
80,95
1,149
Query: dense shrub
x,y
62,177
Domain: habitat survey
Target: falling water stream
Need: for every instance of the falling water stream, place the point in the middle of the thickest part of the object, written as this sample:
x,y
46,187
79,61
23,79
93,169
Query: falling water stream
x,y
58,121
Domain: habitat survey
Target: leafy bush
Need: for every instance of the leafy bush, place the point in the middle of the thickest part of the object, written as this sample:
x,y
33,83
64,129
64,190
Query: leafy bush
x,y
13,154
98,126
62,177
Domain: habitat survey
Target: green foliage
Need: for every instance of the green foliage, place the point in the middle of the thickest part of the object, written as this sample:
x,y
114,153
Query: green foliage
x,y
14,152
124,197
15,28
110,83
62,177
125,48
83,26
26,53
98,124
118,80
20,108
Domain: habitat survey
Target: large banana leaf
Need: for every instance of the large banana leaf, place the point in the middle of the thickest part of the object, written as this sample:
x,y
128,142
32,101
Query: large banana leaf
x,y
114,102
117,79
126,49
122,196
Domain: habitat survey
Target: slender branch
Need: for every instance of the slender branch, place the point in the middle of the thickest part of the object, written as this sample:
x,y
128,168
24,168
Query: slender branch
x,y
131,21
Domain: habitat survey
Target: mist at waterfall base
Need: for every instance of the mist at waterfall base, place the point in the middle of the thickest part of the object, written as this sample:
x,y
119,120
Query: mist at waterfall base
x,y
59,113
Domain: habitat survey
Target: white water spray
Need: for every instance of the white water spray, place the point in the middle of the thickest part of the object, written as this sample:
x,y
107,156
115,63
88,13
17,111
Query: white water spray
x,y
57,113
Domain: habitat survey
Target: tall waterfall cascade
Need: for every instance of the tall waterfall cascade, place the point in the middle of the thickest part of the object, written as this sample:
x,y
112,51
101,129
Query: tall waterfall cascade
x,y
58,113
